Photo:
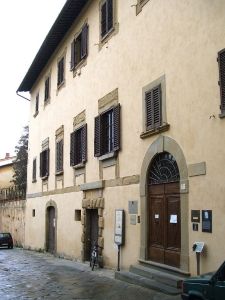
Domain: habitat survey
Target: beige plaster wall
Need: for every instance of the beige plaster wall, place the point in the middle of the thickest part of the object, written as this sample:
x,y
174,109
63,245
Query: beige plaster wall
x,y
6,174
178,39
12,219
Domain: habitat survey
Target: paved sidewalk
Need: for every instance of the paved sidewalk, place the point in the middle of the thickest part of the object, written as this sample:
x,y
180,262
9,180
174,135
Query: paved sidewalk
x,y
31,275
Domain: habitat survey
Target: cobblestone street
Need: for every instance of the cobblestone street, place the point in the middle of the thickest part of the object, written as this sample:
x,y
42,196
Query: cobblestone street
x,y
32,275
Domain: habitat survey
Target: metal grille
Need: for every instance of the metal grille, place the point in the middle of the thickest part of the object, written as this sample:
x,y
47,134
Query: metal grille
x,y
163,169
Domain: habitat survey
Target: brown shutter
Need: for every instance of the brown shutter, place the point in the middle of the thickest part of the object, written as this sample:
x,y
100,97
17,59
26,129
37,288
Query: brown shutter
x,y
72,149
41,164
34,169
72,63
59,156
58,78
221,61
149,110
110,14
84,143
157,106
97,142
47,162
116,128
153,108
84,41
103,20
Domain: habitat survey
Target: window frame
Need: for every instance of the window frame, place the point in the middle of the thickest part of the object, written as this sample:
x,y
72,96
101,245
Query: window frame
x,y
59,156
36,112
61,71
101,150
79,45
163,126
47,89
78,144
34,170
221,66
44,163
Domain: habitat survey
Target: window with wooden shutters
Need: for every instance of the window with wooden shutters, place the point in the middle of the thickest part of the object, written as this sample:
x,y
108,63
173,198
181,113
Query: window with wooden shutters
x,y
34,178
106,17
153,108
36,105
79,47
44,163
60,71
221,62
107,132
47,89
59,156
78,146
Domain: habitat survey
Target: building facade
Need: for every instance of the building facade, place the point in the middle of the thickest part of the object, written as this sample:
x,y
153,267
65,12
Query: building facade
x,y
126,113
6,171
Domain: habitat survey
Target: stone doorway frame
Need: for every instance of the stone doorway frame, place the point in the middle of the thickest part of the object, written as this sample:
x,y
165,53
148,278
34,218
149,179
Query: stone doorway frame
x,y
165,144
49,204
93,203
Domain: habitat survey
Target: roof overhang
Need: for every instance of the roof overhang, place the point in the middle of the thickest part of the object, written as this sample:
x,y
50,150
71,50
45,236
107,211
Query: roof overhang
x,y
64,21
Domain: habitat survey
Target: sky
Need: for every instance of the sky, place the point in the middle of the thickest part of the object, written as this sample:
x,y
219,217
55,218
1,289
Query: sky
x,y
24,25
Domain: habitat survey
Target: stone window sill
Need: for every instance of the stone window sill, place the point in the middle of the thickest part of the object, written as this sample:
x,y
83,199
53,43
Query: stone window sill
x,y
36,113
79,166
59,173
154,131
34,180
108,156
44,177
222,115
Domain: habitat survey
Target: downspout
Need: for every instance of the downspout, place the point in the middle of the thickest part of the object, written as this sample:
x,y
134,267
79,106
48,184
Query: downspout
x,y
17,92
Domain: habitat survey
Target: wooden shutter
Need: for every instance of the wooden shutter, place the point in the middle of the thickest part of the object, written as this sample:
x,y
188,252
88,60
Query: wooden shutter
x,y
84,41
34,169
59,156
153,108
72,149
41,164
221,61
72,62
157,106
84,143
109,14
47,162
116,128
103,20
97,141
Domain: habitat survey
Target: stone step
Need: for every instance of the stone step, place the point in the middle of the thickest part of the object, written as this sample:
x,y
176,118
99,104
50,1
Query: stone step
x,y
162,276
146,282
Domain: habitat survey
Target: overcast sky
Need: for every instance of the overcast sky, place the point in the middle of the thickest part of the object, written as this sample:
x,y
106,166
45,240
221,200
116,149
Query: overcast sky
x,y
24,25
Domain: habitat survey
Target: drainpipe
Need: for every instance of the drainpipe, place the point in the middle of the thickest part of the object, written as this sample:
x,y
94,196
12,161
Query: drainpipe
x,y
17,92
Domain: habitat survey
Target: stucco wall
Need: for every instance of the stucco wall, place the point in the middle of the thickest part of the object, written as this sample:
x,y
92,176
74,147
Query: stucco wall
x,y
178,39
12,219
6,175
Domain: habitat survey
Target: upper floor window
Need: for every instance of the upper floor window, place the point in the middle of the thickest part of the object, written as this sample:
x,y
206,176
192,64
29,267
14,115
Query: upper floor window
x,y
106,14
36,105
154,108
47,89
78,146
107,131
44,163
59,156
61,72
79,47
221,61
34,170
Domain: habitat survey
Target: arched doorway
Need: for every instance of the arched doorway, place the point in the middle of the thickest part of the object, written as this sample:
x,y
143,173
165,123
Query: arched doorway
x,y
160,145
51,229
164,226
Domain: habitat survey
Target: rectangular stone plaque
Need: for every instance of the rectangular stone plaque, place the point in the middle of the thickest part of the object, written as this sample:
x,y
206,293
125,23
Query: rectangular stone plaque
x,y
133,207
133,219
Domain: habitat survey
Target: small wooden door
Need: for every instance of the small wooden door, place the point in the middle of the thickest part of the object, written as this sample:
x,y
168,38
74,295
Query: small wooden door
x,y
51,229
91,231
164,224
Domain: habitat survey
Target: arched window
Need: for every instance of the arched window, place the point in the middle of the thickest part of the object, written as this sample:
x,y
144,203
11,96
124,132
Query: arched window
x,y
163,169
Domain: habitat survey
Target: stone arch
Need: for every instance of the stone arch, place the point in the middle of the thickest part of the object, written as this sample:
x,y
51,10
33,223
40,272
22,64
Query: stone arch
x,y
161,144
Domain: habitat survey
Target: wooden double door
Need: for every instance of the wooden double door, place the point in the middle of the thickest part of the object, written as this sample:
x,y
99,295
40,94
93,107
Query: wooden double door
x,y
164,224
51,222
